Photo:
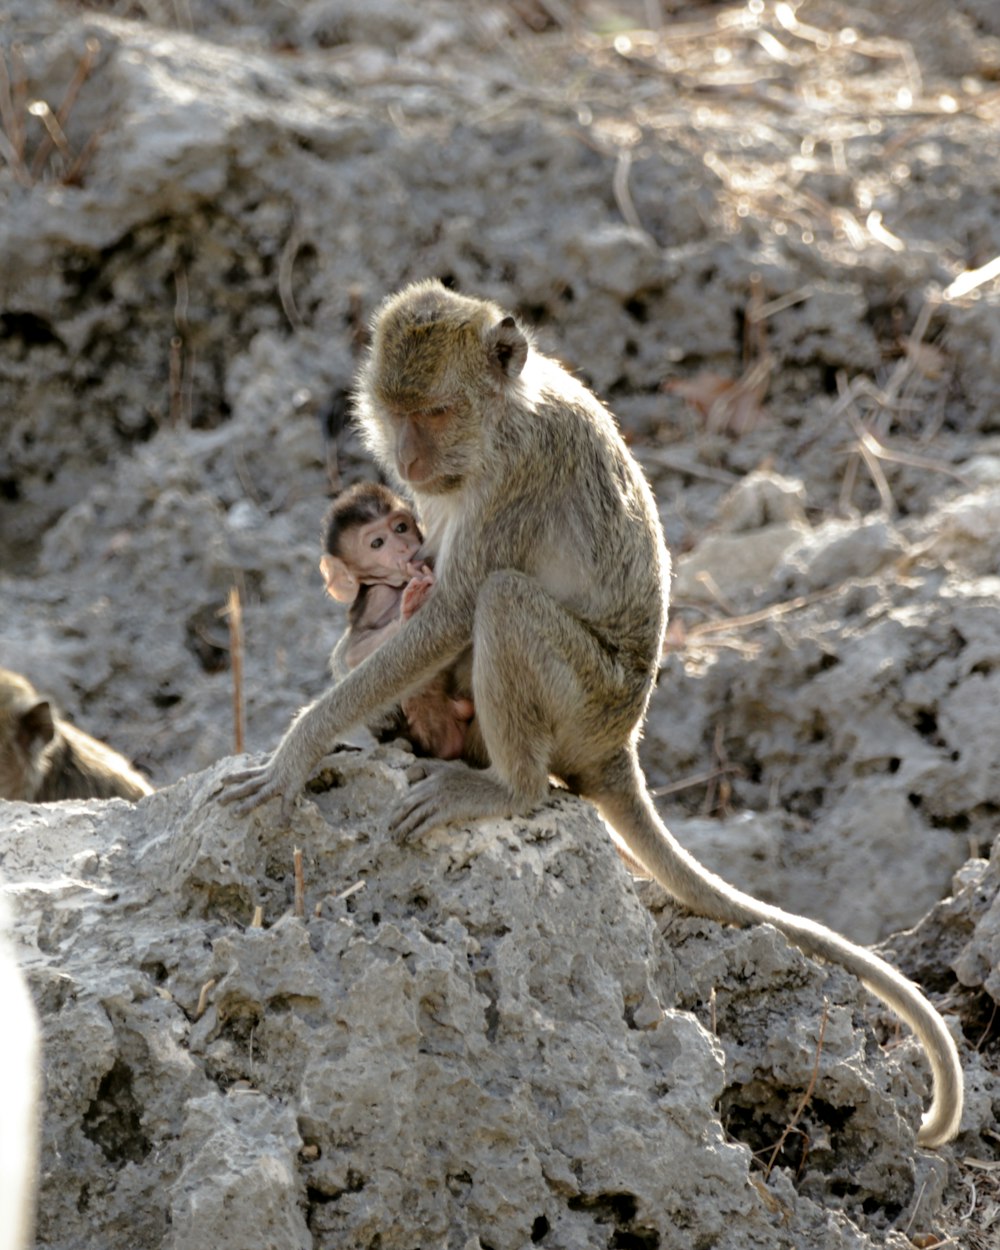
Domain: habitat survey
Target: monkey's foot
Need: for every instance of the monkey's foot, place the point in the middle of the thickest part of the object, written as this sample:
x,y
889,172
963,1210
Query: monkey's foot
x,y
452,794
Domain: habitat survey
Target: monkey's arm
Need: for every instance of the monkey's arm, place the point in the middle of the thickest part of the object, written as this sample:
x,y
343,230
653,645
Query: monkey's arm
x,y
338,665
423,645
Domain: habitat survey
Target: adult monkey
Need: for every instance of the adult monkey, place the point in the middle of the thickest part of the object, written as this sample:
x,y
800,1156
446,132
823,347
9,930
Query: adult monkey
x,y
550,559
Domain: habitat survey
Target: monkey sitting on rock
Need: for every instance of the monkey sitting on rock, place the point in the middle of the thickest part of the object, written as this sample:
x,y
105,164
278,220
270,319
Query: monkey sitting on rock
x,y
43,757
372,561
505,453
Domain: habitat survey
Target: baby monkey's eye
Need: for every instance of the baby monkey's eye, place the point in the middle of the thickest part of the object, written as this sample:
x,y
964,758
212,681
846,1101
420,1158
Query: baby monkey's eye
x,y
376,543
402,527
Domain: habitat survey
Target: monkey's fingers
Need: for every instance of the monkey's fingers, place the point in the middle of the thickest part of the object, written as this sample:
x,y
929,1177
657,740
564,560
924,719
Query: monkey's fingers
x,y
413,820
235,779
263,795
248,790
442,798
415,595
416,812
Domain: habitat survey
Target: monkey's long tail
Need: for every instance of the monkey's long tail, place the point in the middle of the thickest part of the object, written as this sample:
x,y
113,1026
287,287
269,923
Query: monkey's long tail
x,y
627,806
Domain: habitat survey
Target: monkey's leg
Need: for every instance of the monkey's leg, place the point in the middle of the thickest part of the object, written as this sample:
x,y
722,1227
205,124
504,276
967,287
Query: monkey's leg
x,y
547,696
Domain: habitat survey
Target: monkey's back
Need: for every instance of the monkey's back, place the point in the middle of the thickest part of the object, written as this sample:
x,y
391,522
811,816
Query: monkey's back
x,y
601,552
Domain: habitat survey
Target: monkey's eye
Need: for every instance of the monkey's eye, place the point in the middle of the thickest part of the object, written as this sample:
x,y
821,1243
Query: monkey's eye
x,y
402,528
376,543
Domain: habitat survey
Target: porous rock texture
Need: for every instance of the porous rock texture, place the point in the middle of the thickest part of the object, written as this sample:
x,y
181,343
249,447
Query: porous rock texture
x,y
744,226
20,1074
474,1040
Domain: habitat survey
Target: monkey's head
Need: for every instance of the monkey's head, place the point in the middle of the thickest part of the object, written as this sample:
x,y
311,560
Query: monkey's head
x,y
439,369
369,536
27,726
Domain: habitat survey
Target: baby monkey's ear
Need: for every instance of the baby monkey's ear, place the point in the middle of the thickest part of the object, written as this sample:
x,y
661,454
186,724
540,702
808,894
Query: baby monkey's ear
x,y
340,581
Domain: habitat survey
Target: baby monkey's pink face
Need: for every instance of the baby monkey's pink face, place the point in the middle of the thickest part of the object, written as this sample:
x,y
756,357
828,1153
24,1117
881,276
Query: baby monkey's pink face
x,y
382,550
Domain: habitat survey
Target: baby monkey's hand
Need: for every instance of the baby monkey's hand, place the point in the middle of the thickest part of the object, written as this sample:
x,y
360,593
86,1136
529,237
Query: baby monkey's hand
x,y
417,590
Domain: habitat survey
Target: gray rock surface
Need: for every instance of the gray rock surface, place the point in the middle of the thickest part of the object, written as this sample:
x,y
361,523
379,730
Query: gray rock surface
x,y
767,207
473,1040
20,1073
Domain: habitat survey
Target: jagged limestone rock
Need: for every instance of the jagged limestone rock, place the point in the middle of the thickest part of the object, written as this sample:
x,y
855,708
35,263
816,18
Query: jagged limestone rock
x,y
469,1040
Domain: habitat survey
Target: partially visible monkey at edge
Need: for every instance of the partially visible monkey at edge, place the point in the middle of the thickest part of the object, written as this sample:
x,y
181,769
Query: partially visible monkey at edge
x,y
43,757
505,453
372,562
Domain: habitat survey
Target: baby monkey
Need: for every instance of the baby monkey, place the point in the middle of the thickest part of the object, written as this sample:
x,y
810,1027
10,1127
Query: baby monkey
x,y
372,561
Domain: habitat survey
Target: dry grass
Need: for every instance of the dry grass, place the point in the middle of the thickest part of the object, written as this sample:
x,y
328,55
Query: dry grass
x,y
33,140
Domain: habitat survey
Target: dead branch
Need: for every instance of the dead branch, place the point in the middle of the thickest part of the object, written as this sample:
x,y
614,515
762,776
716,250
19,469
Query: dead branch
x,y
286,266
206,989
12,138
300,887
233,611
807,1095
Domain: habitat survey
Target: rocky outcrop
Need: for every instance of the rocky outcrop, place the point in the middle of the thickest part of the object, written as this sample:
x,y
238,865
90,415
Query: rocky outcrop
x,y
481,1039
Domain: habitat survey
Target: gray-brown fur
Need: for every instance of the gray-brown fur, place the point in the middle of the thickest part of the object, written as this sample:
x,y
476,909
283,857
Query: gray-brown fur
x,y
44,758
550,561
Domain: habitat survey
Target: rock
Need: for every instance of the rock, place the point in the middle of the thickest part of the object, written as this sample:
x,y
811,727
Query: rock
x,y
239,1184
479,1042
725,567
760,499
874,750
20,1089
759,521
978,962
965,531
180,320
839,551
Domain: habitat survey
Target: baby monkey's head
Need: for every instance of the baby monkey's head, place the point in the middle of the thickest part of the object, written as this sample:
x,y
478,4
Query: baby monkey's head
x,y
370,536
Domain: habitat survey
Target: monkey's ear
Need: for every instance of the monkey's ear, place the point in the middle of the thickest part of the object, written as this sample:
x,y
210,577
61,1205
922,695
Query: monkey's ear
x,y
36,724
340,581
507,347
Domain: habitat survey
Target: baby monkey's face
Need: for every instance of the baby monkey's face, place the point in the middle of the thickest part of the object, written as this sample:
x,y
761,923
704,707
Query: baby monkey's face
x,y
382,550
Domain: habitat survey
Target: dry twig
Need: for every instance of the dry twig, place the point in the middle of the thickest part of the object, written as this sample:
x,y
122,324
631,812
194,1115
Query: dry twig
x,y
696,632
55,123
176,377
623,196
300,885
11,115
286,267
807,1095
697,779
233,611
14,107
719,790
206,989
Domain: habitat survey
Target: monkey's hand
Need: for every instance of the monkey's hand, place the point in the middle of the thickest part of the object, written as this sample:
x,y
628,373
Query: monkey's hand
x,y
280,778
416,592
